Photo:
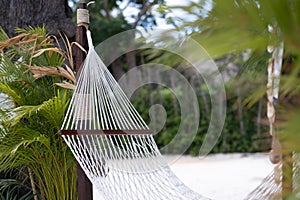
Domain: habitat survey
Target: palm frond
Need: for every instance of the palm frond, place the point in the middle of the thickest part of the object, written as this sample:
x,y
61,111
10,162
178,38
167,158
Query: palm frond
x,y
66,85
52,49
289,132
10,71
40,30
52,110
29,136
52,71
10,195
3,35
11,93
16,148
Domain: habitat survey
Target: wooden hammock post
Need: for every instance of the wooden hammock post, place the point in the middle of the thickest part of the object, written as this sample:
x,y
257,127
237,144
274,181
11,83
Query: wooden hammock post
x,y
81,38
84,185
287,174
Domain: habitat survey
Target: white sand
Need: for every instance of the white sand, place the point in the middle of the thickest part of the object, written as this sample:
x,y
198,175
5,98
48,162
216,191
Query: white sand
x,y
220,176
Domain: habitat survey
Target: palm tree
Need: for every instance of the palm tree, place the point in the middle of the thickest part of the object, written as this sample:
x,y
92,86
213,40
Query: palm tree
x,y
234,26
32,111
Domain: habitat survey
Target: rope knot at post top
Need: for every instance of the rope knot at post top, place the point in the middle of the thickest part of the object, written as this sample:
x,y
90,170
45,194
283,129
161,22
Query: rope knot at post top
x,y
83,17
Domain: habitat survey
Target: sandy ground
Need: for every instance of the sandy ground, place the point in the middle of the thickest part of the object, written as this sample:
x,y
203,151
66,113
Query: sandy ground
x,y
220,176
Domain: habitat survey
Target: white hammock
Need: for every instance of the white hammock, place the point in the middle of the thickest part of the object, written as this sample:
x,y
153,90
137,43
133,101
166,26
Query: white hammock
x,y
112,143
271,186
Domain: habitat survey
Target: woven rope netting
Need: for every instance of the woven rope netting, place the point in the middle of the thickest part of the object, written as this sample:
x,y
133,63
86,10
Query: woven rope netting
x,y
112,143
271,186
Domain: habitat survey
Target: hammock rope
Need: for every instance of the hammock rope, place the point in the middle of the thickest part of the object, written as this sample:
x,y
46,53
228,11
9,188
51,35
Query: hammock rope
x,y
272,187
111,141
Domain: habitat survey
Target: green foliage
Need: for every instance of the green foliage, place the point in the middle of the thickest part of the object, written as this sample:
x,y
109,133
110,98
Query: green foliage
x,y
107,27
233,28
108,18
10,195
289,133
29,142
15,189
231,140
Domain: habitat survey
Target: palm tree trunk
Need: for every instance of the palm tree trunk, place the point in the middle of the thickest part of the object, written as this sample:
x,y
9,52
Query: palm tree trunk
x,y
55,14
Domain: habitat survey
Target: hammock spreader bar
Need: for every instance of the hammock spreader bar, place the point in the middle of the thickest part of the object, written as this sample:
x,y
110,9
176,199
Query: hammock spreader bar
x,y
104,132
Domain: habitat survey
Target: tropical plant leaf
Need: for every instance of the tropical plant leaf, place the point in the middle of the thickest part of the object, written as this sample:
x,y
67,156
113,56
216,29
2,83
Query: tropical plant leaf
x,y
53,110
289,132
52,49
66,85
11,93
29,138
12,41
3,35
52,71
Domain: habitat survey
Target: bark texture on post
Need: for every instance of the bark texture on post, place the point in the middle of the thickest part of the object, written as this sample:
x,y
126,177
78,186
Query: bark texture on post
x,y
56,15
84,185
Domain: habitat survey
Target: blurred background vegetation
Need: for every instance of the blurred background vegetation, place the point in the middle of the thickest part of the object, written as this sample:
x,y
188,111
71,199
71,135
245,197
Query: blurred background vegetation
x,y
246,127
235,33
